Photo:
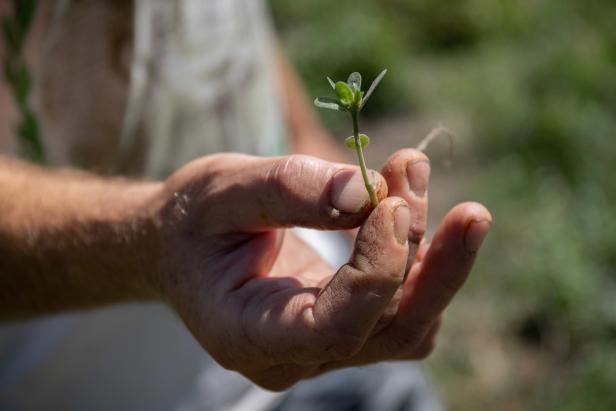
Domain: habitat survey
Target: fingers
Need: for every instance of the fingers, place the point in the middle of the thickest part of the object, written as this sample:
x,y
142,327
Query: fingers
x,y
432,284
427,344
371,353
424,246
441,273
407,173
253,193
349,306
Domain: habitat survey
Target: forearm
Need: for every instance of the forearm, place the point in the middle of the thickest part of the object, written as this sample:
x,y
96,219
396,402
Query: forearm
x,y
71,240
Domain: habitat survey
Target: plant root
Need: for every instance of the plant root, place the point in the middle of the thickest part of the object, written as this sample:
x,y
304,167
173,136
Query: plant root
x,y
438,131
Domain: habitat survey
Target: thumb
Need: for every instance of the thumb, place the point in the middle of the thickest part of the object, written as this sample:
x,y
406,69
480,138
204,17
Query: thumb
x,y
255,193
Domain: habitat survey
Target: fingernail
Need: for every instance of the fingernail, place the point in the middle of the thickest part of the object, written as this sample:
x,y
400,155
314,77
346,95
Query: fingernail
x,y
402,223
475,233
348,193
418,174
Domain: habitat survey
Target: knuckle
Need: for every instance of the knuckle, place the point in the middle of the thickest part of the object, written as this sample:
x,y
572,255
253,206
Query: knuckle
x,y
286,171
220,161
370,281
285,176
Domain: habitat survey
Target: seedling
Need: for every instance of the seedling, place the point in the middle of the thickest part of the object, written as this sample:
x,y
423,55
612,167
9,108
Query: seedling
x,y
351,99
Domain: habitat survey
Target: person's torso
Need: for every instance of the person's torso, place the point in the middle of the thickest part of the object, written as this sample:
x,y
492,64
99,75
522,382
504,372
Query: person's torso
x,y
144,88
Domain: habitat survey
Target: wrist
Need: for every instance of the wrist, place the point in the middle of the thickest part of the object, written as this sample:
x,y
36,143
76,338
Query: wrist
x,y
142,222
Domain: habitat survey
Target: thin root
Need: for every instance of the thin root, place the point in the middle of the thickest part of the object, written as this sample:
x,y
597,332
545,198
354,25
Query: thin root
x,y
438,131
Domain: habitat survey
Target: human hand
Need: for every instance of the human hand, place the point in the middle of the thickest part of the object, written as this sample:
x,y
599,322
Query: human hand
x,y
263,303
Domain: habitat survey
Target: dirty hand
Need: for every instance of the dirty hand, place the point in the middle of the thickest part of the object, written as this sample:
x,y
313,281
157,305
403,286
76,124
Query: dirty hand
x,y
263,303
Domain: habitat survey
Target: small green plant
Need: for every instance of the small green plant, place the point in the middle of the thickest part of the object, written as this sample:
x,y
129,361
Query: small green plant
x,y
351,99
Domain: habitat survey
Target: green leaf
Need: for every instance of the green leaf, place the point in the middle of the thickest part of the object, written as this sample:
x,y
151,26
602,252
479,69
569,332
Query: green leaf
x,y
329,103
354,82
345,94
331,83
357,98
364,140
373,86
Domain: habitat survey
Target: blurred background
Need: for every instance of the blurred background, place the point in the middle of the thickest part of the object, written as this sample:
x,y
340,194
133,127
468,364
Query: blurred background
x,y
529,89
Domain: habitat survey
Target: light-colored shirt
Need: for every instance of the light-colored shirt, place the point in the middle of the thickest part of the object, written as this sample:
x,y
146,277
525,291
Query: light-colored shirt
x,y
203,82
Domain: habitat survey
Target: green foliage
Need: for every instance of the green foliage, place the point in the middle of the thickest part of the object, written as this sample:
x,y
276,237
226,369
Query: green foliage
x,y
345,94
535,82
355,36
350,96
329,103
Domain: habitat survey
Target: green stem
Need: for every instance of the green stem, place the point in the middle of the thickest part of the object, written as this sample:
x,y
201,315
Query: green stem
x,y
362,162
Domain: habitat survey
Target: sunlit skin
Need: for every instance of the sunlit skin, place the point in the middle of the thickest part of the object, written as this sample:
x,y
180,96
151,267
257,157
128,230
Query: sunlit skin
x,y
265,304
211,241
